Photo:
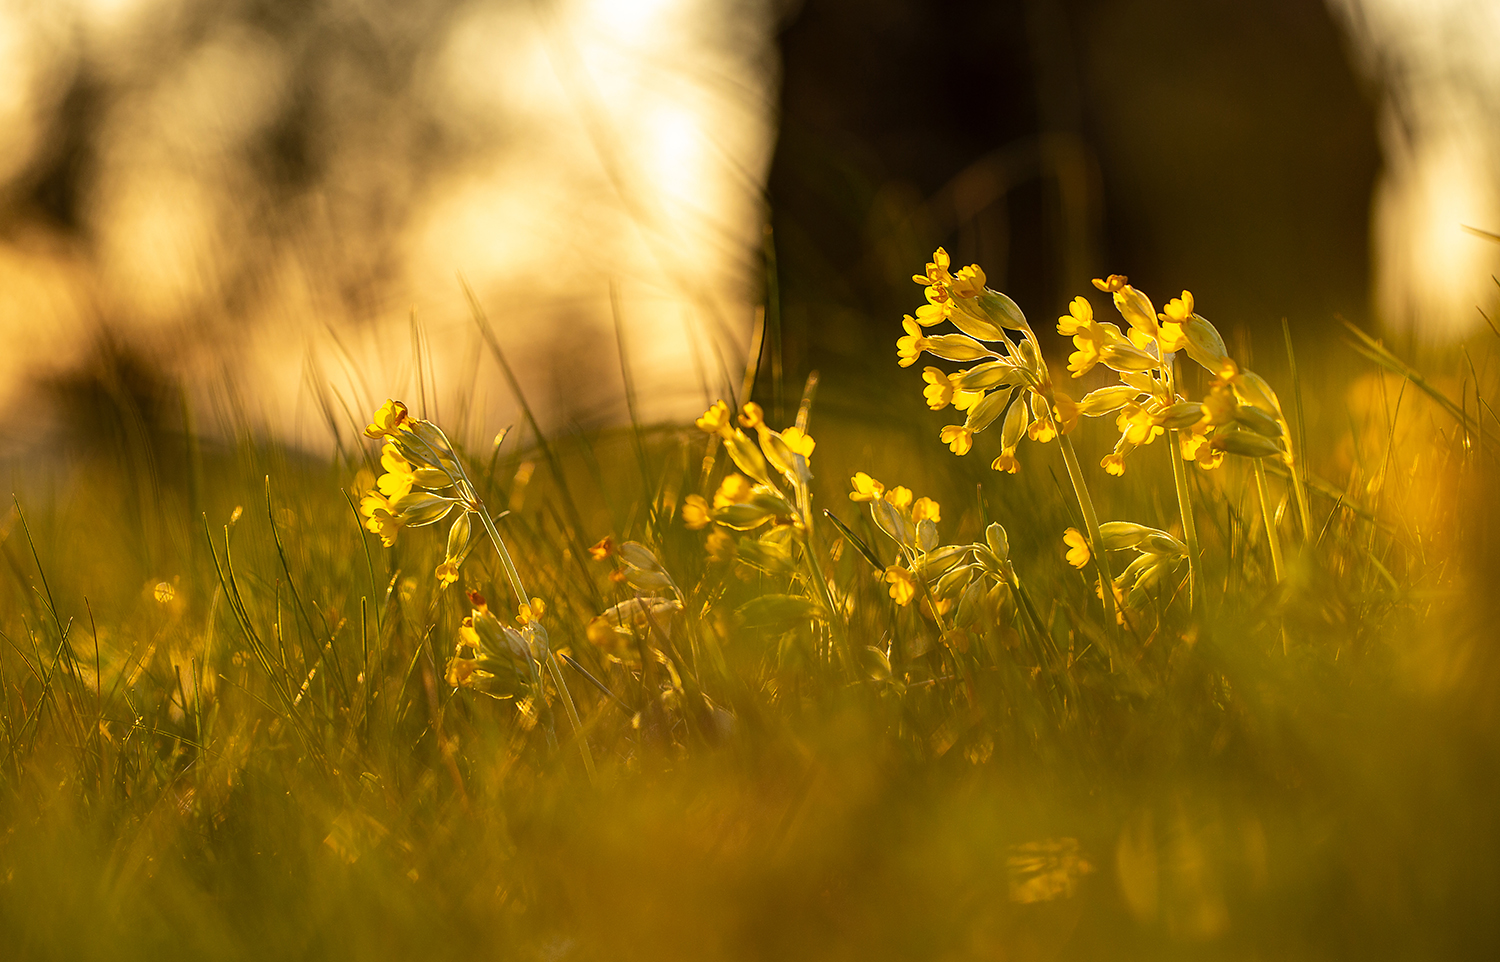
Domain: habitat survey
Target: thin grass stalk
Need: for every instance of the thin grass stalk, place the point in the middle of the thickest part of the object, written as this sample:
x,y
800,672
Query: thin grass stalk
x,y
1091,519
1299,488
1270,519
553,667
1189,526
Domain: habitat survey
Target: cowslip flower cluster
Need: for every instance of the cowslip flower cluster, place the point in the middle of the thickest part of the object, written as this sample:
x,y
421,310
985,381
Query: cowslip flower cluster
x,y
972,581
1158,555
1241,416
911,523
491,656
747,501
1010,384
1147,577
419,463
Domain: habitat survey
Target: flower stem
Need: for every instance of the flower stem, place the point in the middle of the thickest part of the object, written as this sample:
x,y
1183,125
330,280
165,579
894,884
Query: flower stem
x,y
1189,526
1299,489
1086,504
553,668
1270,518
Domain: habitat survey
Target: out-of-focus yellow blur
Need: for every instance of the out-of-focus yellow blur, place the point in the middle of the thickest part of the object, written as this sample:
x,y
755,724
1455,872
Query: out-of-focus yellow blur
x,y
262,199
1435,62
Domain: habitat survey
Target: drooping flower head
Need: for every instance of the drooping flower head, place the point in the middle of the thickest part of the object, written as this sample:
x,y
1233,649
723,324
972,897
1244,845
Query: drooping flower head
x,y
389,420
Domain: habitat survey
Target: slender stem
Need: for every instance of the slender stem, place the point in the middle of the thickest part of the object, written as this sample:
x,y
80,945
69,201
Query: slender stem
x,y
1270,518
514,575
815,571
1299,490
1189,526
1086,504
553,668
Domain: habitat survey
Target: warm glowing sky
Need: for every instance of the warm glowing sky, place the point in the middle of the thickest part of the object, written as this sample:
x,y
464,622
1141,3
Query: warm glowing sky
x,y
545,151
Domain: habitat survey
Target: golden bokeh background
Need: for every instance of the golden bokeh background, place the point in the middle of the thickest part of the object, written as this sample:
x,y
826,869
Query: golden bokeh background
x,y
253,199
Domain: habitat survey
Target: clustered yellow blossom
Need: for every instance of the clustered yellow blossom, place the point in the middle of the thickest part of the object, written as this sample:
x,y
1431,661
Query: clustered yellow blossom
x,y
419,462
910,521
1010,383
1148,577
746,501
489,655
971,584
1146,402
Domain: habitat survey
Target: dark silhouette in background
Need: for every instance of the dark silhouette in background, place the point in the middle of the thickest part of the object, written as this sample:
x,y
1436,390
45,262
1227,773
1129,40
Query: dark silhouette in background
x,y
1219,146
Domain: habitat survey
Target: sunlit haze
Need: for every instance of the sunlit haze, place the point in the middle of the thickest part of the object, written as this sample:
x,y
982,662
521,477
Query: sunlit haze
x,y
266,202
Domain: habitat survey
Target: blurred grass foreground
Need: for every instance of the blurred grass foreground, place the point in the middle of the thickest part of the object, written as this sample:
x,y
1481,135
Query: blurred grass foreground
x,y
780,684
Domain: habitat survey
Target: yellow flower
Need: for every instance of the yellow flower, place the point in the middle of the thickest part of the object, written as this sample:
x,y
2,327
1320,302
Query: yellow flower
x,y
898,497
380,517
937,271
751,415
866,488
389,420
1112,283
1189,442
1118,591
1006,462
926,509
528,613
399,476
1136,308
968,282
960,440
910,347
1078,548
1137,425
1220,406
1083,360
603,549
1114,462
1179,309
458,540
939,389
1171,338
1080,317
1066,411
715,420
903,585
939,307
963,400
734,489
461,671
695,512
1042,429
799,442
1194,446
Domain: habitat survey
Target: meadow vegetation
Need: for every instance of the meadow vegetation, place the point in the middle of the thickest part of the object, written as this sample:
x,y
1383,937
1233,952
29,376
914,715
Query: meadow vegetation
x,y
1159,667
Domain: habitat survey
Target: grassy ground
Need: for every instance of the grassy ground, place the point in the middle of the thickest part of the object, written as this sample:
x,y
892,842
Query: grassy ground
x,y
229,729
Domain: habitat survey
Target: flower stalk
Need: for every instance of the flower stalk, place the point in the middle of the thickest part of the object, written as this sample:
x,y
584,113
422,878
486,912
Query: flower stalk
x,y
1189,526
1269,517
1091,519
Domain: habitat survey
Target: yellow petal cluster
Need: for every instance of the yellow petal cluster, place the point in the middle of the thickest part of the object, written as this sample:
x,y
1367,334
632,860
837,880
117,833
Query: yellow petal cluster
x,y
1078,548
